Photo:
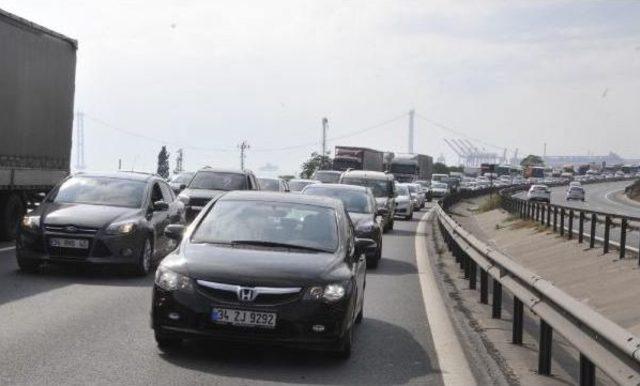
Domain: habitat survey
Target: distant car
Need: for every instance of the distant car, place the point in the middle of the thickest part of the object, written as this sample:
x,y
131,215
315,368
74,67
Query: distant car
x,y
382,186
327,176
180,181
209,183
575,193
439,189
273,184
361,206
263,267
404,202
101,218
297,184
418,194
539,193
575,183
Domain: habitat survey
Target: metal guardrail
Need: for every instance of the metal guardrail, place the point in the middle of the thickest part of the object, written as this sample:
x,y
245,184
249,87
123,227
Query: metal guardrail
x,y
600,342
561,218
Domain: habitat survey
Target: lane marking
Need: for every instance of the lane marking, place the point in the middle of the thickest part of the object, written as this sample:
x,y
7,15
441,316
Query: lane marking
x,y
453,364
7,249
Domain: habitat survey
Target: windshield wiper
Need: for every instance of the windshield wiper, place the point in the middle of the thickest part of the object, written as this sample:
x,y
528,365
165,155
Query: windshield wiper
x,y
277,245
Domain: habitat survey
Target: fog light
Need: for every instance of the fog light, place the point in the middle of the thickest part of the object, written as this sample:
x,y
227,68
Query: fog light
x,y
174,316
318,328
126,252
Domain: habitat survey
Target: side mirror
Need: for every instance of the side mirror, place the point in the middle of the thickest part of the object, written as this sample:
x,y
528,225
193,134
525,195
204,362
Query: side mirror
x,y
183,187
174,231
160,206
362,245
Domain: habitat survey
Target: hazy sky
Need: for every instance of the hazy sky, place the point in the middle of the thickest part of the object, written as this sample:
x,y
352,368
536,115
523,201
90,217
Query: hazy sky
x,y
205,75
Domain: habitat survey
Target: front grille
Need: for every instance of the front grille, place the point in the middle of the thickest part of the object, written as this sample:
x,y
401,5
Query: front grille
x,y
71,230
231,297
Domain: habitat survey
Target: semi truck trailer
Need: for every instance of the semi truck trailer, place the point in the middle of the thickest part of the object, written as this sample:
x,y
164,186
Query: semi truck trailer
x,y
411,167
357,158
37,85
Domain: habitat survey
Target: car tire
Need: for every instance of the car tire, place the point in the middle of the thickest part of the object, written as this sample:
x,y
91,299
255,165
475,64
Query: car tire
x,y
28,266
167,343
409,216
345,345
143,265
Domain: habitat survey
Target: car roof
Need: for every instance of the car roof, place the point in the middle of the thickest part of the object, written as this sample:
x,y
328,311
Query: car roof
x,y
367,174
305,180
329,171
253,195
224,170
123,175
340,186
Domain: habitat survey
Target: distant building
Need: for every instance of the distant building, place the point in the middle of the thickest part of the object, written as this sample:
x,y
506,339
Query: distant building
x,y
562,160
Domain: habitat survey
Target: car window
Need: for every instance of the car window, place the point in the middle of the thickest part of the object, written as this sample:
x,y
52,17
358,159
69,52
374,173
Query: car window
x,y
218,181
378,187
167,193
156,193
355,201
402,190
101,191
270,184
302,225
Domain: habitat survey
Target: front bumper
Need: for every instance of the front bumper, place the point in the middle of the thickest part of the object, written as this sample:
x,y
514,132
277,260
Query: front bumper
x,y
294,320
103,248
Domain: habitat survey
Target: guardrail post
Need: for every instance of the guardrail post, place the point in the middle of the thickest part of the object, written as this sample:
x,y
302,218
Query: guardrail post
x,y
581,228
548,215
473,273
544,354
516,336
466,265
623,237
543,210
555,218
537,212
592,238
484,287
496,305
561,221
607,231
587,372
570,224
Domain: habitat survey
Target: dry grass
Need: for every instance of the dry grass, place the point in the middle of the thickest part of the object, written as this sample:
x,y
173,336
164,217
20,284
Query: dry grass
x,y
490,203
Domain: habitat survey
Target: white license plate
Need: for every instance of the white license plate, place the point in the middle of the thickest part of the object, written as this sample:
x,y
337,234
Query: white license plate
x,y
243,318
69,243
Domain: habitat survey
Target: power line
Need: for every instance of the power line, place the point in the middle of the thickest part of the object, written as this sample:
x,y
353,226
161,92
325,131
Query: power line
x,y
457,132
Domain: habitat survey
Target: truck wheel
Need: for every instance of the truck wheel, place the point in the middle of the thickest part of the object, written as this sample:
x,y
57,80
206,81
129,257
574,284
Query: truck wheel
x,y
10,214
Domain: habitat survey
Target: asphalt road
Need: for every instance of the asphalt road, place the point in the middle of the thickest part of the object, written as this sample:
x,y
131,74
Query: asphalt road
x,y
91,326
601,197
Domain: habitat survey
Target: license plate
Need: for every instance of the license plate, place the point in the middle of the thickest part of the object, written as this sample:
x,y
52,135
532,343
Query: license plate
x,y
69,243
243,318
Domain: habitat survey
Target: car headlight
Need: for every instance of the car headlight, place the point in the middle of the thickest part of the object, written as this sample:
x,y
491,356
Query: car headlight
x,y
121,228
30,222
172,281
331,293
184,199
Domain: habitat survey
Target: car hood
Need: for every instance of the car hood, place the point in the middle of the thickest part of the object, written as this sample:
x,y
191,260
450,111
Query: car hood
x,y
202,193
84,215
361,219
256,266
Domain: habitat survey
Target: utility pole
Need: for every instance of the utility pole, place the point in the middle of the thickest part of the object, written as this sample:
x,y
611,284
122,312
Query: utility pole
x,y
325,123
243,148
411,113
80,141
119,163
179,158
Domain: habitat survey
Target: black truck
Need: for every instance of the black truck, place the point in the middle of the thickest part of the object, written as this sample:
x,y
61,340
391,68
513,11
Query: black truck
x,y
357,158
37,85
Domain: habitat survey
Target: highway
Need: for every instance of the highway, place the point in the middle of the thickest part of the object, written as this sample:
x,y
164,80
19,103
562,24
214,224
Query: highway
x,y
91,326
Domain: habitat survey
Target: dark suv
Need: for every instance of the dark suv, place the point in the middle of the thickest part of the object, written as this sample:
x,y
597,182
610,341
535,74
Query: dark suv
x,y
209,183
103,218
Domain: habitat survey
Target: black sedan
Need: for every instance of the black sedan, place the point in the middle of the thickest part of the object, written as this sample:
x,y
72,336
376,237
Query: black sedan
x,y
107,218
270,268
361,206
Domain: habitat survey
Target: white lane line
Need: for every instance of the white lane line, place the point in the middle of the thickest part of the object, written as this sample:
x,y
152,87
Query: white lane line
x,y
451,359
7,249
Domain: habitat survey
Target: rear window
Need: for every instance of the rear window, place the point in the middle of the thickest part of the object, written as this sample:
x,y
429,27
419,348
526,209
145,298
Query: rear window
x,y
218,181
379,188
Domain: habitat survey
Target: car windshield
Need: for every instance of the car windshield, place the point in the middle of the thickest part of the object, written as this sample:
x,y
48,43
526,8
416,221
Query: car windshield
x,y
218,181
402,190
378,187
354,201
183,178
298,185
327,177
270,184
101,191
439,185
270,223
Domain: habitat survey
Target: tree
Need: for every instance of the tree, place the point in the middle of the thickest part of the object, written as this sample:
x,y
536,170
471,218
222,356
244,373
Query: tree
x,y
440,168
315,162
163,162
532,160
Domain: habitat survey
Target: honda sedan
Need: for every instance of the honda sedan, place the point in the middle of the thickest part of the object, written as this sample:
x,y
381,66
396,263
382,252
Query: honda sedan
x,y
271,267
